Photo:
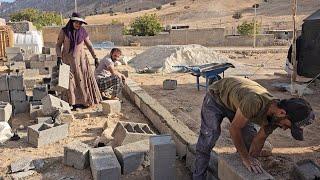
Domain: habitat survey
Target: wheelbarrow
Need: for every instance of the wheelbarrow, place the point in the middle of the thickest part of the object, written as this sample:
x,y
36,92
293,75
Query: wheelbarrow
x,y
210,71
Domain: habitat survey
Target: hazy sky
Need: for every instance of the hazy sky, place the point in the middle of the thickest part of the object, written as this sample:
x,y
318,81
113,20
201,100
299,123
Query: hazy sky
x,y
7,0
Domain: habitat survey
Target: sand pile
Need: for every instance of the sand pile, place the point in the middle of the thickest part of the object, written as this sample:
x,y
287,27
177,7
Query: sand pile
x,y
164,57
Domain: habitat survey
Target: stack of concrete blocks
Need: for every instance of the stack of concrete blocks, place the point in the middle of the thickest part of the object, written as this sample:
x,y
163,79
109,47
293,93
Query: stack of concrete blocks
x,y
162,157
76,154
104,164
111,107
305,170
60,78
17,66
45,63
170,84
49,51
14,54
230,167
44,133
133,155
39,92
52,104
5,111
31,78
4,88
128,132
18,94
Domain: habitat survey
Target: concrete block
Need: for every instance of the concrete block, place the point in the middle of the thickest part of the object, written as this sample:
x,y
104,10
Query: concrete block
x,y
104,164
15,57
111,106
305,170
18,95
34,58
230,167
35,111
37,64
20,107
13,50
41,120
31,82
15,82
29,73
39,92
5,111
129,132
133,155
63,116
51,104
43,134
26,164
45,71
45,50
4,86
170,84
17,66
162,157
76,154
42,57
60,80
5,96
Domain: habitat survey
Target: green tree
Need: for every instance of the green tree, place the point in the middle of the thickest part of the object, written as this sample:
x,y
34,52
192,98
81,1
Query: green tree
x,y
247,28
38,18
146,25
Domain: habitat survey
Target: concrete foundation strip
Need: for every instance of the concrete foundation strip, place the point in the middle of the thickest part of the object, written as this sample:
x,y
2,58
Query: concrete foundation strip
x,y
167,123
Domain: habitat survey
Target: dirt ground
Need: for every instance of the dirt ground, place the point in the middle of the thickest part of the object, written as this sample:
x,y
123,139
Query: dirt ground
x,y
87,126
185,102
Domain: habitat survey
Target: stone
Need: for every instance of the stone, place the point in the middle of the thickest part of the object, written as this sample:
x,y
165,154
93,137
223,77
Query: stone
x,y
26,164
51,104
4,82
76,154
40,92
305,169
133,155
18,95
104,164
59,78
41,120
20,107
42,134
22,175
5,111
63,116
111,106
15,82
129,132
35,111
162,157
230,167
170,84
5,96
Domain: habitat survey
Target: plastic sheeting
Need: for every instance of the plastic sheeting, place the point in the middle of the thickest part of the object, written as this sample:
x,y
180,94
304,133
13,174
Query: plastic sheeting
x,y
31,42
5,132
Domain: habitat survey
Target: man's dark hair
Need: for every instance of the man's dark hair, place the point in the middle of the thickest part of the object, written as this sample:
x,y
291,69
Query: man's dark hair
x,y
113,50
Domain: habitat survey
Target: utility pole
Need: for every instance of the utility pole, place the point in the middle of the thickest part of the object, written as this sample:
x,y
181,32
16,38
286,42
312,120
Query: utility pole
x,y
75,6
294,43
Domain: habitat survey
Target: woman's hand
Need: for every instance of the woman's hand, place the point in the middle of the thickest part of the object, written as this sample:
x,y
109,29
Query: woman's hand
x,y
59,61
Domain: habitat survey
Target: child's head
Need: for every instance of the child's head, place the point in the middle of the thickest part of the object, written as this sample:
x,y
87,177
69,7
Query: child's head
x,y
115,54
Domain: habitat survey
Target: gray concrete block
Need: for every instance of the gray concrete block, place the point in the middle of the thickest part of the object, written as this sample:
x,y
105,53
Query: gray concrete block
x,y
5,111
63,116
26,164
305,170
42,57
35,111
29,73
129,132
37,64
51,104
15,82
20,107
22,175
4,86
76,154
13,50
230,167
31,82
44,134
162,157
5,96
15,57
18,95
41,120
59,81
133,155
111,106
170,84
104,164
39,92
20,66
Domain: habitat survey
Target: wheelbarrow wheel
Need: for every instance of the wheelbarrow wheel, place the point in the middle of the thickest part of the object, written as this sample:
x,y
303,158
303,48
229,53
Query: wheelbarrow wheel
x,y
216,78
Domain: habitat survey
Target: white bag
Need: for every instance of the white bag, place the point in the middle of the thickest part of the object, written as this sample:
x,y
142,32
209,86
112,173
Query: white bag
x,y
5,132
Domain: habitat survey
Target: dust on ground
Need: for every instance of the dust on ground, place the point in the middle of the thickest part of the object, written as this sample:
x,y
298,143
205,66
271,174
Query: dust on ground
x,y
87,126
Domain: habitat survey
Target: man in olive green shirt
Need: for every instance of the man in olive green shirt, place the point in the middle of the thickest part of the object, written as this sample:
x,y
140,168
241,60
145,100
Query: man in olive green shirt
x,y
245,103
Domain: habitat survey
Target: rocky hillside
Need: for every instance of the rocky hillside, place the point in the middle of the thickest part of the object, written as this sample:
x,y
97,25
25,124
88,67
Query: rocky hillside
x,y
86,7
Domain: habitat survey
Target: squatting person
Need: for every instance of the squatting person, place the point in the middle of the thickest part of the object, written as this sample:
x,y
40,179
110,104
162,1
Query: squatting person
x,y
244,103
108,78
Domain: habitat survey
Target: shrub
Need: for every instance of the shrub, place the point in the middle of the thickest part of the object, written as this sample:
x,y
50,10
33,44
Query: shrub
x,y
146,25
246,28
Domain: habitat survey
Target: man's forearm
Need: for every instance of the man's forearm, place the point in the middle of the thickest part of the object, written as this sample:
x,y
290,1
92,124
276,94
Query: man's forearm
x,y
238,142
258,143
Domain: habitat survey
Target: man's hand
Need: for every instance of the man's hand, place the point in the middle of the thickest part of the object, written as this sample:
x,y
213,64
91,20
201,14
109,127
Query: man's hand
x,y
253,165
96,62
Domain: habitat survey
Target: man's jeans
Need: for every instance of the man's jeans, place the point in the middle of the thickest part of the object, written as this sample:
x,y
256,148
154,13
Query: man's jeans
x,y
212,115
